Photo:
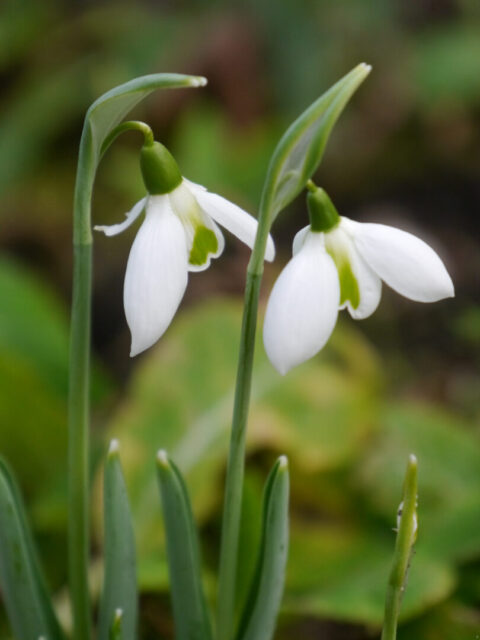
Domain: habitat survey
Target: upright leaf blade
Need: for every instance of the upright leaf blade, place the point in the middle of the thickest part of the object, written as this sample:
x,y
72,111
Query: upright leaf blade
x,y
300,150
27,601
192,620
120,582
263,604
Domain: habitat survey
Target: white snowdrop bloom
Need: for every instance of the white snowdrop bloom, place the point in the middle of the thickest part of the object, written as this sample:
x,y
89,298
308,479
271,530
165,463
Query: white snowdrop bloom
x,y
338,263
179,234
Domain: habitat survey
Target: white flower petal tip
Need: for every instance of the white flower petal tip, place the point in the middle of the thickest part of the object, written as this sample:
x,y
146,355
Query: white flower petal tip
x,y
303,306
130,217
404,262
156,277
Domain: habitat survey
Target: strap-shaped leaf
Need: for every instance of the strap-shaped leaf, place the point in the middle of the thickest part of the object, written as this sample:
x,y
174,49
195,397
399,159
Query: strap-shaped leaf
x,y
261,610
120,581
26,598
300,150
192,620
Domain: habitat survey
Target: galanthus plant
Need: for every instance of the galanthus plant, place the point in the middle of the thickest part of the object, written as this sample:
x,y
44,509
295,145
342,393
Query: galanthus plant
x,y
337,263
179,234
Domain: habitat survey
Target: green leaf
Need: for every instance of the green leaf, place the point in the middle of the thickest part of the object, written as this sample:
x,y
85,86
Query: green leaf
x,y
261,610
120,582
25,594
192,621
300,150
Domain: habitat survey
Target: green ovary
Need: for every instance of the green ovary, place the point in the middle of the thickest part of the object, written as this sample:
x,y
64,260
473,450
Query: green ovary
x,y
204,243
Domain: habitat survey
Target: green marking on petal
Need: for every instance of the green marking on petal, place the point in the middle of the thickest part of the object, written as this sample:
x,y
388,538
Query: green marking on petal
x,y
204,243
349,290
348,285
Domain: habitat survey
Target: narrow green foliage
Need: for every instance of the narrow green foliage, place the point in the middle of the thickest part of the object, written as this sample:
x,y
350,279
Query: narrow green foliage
x,y
204,244
25,595
263,603
406,536
192,620
120,579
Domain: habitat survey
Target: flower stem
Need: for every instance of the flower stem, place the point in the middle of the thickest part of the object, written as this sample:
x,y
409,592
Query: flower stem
x,y
236,459
78,401
406,537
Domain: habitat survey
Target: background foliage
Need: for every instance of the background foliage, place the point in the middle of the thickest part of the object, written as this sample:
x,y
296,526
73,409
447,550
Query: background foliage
x,y
405,380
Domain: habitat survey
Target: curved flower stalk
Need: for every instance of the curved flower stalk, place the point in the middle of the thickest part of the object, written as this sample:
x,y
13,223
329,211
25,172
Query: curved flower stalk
x,y
338,263
179,234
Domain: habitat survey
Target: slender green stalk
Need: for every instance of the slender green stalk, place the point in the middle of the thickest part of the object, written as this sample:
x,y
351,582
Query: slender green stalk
x,y
236,459
406,536
78,405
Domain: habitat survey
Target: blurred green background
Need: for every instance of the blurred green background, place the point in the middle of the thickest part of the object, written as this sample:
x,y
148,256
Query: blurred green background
x,y
405,152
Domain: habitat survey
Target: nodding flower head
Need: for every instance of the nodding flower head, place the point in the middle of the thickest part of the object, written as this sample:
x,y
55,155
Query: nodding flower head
x,y
338,263
179,234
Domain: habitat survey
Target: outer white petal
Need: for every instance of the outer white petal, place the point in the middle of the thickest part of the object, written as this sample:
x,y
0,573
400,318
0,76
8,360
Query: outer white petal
x,y
299,239
156,275
369,284
403,261
131,216
233,218
303,306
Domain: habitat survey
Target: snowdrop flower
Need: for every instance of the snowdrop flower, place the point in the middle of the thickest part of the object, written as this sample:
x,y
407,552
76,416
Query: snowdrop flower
x,y
179,234
338,263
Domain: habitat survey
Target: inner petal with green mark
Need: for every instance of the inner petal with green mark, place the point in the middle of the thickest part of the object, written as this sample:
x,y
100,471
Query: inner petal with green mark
x,y
337,246
204,243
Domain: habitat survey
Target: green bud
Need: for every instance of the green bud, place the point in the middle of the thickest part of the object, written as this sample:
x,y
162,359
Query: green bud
x,y
159,169
322,212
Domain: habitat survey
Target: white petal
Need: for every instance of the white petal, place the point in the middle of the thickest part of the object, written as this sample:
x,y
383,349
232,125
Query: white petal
x,y
131,216
194,219
403,261
369,284
156,275
299,239
233,218
303,306
340,245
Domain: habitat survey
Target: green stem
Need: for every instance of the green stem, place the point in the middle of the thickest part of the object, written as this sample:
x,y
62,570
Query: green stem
x,y
78,405
403,550
78,409
236,459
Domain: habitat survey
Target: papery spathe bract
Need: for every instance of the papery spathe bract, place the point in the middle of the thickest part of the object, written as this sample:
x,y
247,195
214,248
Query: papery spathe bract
x,y
179,234
299,317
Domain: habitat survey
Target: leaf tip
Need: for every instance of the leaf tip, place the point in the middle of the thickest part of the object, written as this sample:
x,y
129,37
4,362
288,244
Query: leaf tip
x,y
162,459
198,81
114,447
283,463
